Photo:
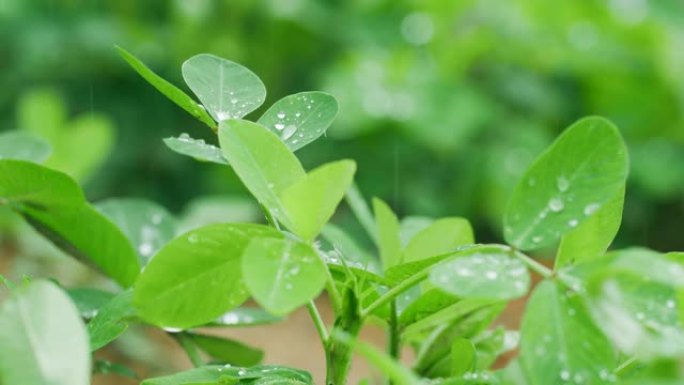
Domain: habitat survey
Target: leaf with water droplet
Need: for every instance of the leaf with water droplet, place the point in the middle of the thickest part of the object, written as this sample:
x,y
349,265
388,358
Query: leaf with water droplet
x,y
22,145
585,167
227,351
282,274
594,236
196,149
42,338
204,263
231,375
227,89
559,340
167,89
147,225
482,275
290,115
311,201
111,320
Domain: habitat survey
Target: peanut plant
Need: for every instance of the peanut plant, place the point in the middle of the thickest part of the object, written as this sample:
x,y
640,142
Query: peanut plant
x,y
595,317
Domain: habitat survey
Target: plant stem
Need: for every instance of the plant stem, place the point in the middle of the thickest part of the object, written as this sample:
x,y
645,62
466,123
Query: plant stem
x,y
393,347
189,347
625,365
532,264
318,322
394,292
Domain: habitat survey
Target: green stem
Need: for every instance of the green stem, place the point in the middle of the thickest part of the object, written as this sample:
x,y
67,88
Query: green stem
x,y
318,322
189,347
625,365
532,264
394,292
393,347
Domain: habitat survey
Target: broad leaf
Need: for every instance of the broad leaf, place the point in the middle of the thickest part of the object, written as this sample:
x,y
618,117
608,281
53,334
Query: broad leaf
x,y
262,162
483,275
463,356
196,149
23,146
167,89
42,338
226,89
204,263
282,274
387,226
227,351
245,316
27,183
301,118
312,200
581,171
559,342
147,225
220,374
592,239
442,236
353,254
88,300
84,233
110,321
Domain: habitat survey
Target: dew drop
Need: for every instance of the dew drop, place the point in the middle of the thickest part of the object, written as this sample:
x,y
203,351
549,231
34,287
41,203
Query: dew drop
x,y
537,239
564,375
289,131
573,223
562,183
670,304
281,115
556,205
145,249
591,208
491,274
279,126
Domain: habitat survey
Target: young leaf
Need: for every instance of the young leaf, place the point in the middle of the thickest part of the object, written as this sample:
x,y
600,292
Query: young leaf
x,y
387,226
282,274
42,338
483,275
312,200
350,250
167,89
204,263
227,351
23,146
26,183
360,208
442,236
559,342
594,236
110,323
84,233
262,162
226,89
301,118
196,149
463,356
147,225
581,171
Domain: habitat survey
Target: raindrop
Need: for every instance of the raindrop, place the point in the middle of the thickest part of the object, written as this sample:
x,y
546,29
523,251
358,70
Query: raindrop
x,y
564,375
298,114
556,205
289,131
279,126
573,223
491,274
537,239
193,238
670,304
184,136
591,208
281,115
145,249
233,100
562,183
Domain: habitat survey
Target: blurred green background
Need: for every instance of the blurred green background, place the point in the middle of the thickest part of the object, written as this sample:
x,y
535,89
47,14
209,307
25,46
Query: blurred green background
x,y
443,103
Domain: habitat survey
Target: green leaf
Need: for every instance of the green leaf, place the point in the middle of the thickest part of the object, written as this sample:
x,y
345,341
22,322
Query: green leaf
x,y
301,118
387,226
582,170
245,316
483,275
88,300
353,254
311,201
262,162
428,303
282,274
41,112
214,374
592,239
463,356
23,146
26,183
42,338
559,342
204,263
167,89
442,236
110,321
105,367
84,233
360,208
226,89
227,351
147,225
196,149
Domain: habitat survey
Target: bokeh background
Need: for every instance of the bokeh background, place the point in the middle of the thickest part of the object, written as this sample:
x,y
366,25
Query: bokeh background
x,y
443,103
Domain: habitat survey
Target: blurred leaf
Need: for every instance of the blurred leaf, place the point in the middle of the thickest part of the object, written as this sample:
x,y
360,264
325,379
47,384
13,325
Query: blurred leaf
x,y
559,342
428,303
482,275
167,89
106,368
282,274
23,146
41,112
387,226
88,300
463,356
301,118
349,249
262,162
262,375
441,236
26,183
312,200
42,338
147,225
203,263
196,149
110,321
245,316
226,89
591,239
581,171
227,351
